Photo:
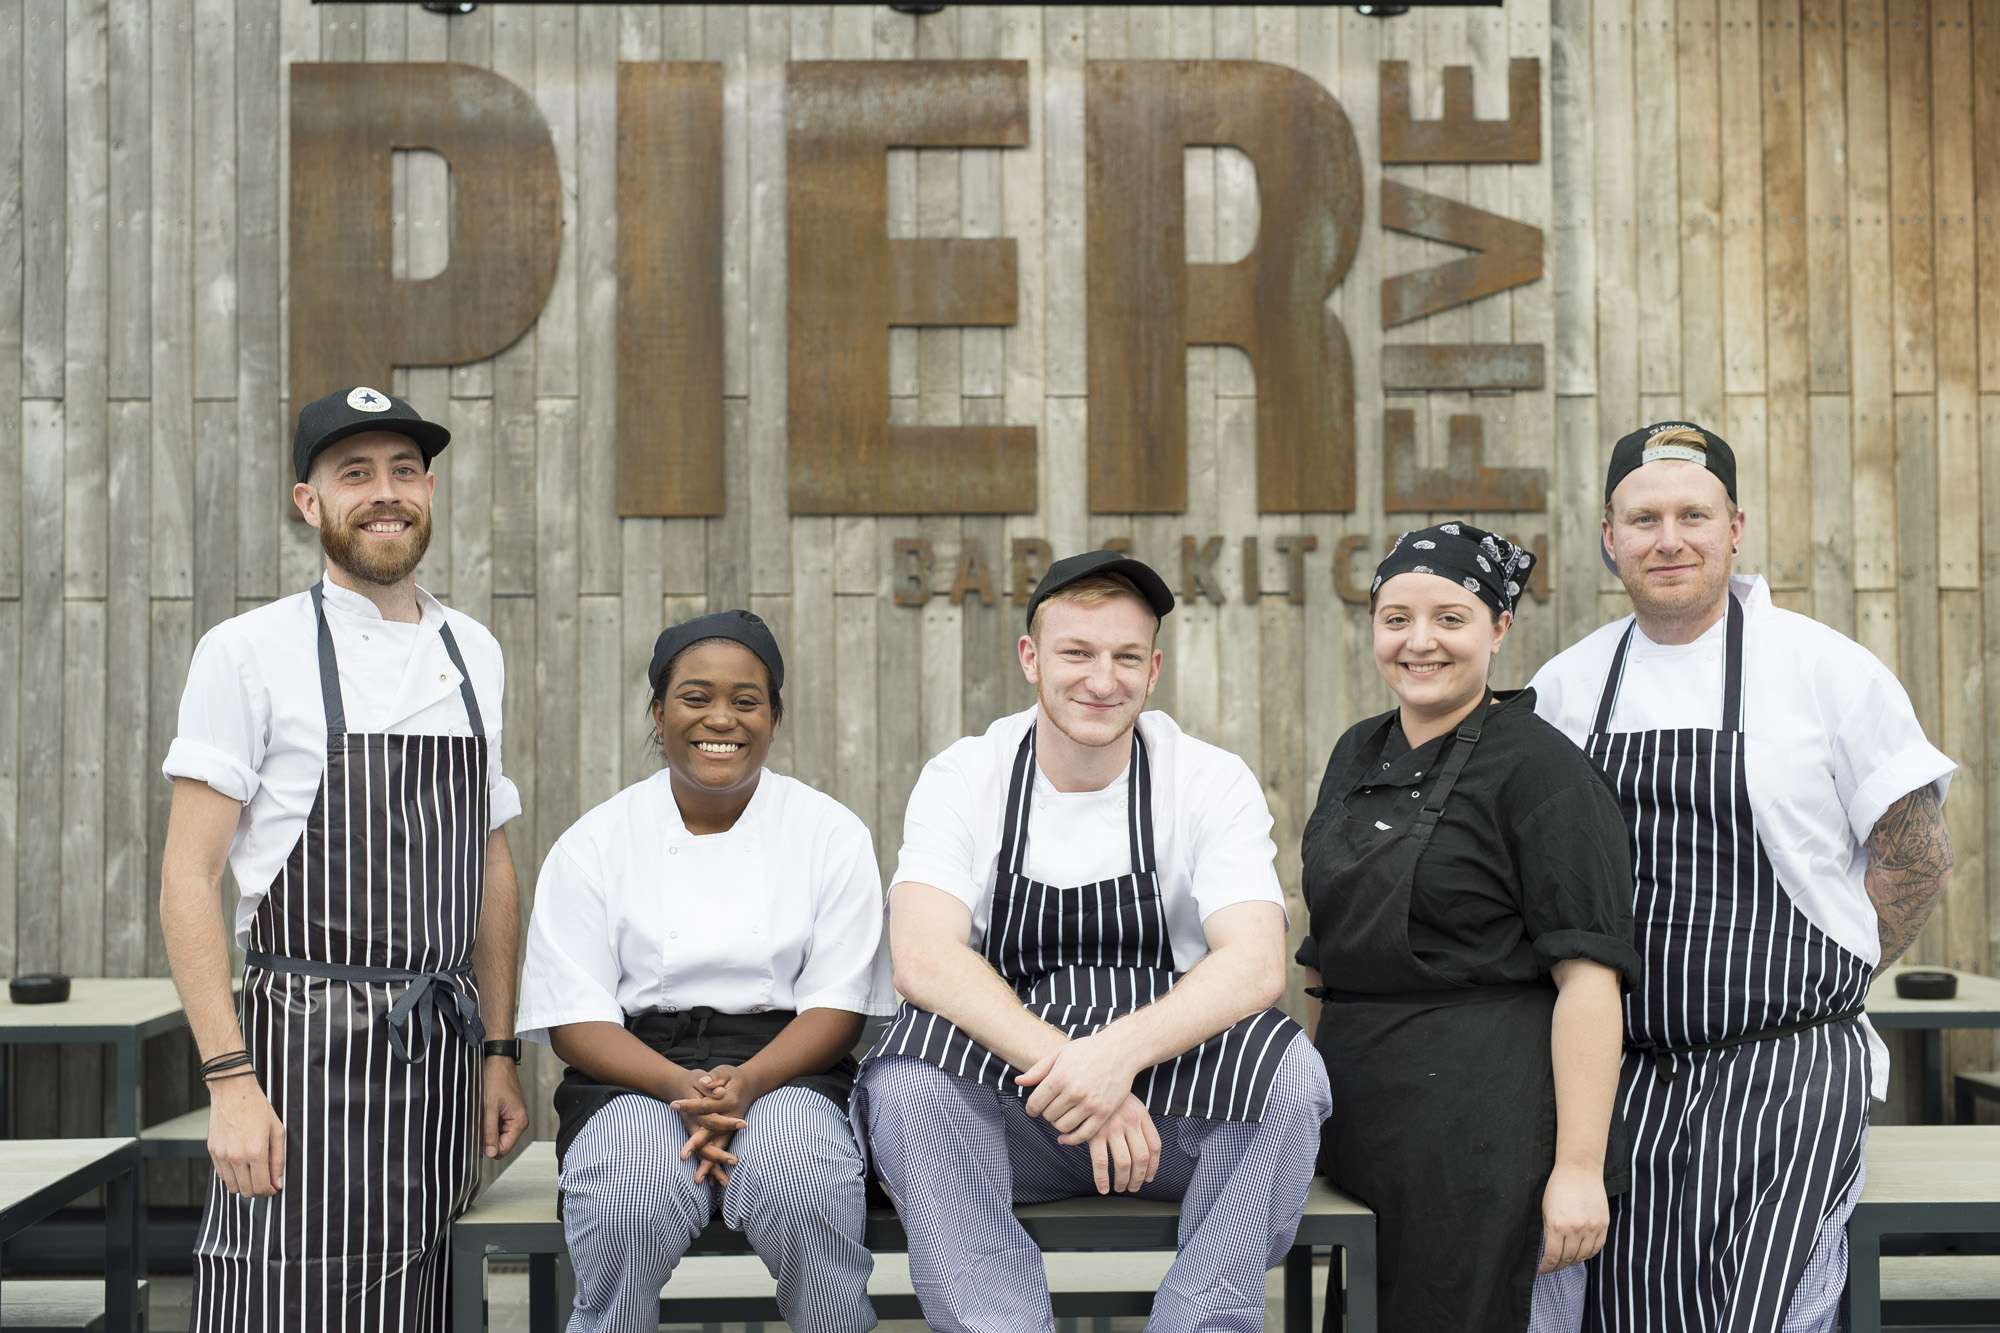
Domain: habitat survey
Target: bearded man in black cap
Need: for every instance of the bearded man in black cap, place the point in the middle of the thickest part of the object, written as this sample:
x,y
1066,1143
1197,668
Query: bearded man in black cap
x,y
1088,1008
339,749
1788,842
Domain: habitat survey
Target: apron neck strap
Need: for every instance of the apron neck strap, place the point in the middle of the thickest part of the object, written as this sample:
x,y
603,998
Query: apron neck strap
x,y
1732,673
1021,794
329,667
329,673
1466,737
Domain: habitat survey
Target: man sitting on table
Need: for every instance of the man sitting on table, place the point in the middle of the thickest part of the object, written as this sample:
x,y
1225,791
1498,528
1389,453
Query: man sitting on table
x,y
1040,1053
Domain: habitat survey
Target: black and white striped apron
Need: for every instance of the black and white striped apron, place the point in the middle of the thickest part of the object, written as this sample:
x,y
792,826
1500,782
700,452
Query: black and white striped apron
x,y
1080,957
1745,1080
361,1013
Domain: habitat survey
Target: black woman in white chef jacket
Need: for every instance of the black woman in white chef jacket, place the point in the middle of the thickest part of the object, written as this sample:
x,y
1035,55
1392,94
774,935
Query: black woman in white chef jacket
x,y
704,949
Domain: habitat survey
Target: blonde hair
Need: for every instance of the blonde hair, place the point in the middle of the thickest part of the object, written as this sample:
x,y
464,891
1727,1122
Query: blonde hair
x,y
1090,590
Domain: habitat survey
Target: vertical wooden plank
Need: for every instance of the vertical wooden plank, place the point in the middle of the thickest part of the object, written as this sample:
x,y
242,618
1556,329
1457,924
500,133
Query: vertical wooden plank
x,y
1989,650
769,42
514,524
38,916
811,698
86,127
1615,190
128,370
725,39
855,777
469,508
1572,152
215,460
1832,511
1957,320
1746,435
214,158
1872,359
127,632
42,197
1911,241
81,840
556,94
601,701
1986,167
557,661
727,559
1063,47
12,228
260,426
11,755
172,304
1826,193
1916,582
642,587
1742,198
1962,735
597,291
170,647
1656,163
1700,136
1788,440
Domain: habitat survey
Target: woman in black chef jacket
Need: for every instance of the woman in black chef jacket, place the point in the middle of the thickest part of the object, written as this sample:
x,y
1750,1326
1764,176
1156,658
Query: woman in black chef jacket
x,y
1470,891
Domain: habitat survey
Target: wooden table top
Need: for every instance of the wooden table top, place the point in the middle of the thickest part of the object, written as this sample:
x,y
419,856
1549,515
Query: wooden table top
x,y
1933,1164
1977,1003
98,1002
55,1170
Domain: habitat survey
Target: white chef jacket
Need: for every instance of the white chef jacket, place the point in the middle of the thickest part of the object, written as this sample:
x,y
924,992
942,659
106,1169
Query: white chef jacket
x,y
253,725
1211,828
634,913
1831,742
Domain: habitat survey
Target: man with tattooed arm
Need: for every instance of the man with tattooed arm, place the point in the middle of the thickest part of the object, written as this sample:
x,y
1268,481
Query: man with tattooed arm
x,y
1788,840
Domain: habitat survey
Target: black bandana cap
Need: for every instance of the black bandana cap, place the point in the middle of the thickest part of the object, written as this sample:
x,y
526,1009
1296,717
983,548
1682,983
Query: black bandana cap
x,y
1488,566
737,626
1634,452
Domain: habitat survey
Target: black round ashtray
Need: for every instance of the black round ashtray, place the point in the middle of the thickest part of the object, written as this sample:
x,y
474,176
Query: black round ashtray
x,y
1926,985
39,988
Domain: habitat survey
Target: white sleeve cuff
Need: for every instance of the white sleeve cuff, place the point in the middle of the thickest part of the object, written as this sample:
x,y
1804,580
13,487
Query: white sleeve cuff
x,y
852,1002
1918,766
533,1026
939,874
204,763
505,802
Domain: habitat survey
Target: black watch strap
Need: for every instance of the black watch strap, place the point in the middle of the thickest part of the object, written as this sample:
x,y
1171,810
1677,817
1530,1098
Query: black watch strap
x,y
511,1048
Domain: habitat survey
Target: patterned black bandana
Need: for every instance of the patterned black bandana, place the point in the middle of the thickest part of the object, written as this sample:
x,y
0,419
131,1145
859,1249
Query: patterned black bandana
x,y
1489,567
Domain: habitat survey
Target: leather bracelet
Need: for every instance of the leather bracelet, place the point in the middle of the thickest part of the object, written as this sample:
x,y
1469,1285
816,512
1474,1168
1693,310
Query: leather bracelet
x,y
224,1078
509,1047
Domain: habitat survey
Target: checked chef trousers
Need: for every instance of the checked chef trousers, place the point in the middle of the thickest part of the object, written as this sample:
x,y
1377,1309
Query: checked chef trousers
x,y
631,1207
956,1157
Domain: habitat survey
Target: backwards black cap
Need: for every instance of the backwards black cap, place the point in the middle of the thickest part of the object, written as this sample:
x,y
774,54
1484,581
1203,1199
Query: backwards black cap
x,y
1073,567
348,412
740,626
1634,452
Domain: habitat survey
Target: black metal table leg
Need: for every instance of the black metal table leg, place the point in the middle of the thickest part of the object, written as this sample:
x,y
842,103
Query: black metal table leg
x,y
1298,1289
123,1246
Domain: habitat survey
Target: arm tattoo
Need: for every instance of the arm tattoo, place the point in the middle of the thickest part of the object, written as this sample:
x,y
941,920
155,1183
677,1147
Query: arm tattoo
x,y
1909,860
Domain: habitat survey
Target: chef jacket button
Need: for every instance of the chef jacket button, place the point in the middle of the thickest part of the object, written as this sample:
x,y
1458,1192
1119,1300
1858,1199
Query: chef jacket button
x,y
1385,767
673,851
756,930
442,676
1415,794
673,934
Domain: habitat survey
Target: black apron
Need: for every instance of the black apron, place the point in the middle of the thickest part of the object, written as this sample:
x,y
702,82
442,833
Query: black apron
x,y
1080,957
1444,1114
698,1038
1745,1081
361,1014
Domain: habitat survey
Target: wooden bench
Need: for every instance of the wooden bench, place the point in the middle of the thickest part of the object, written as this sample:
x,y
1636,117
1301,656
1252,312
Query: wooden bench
x,y
516,1216
38,1176
67,1305
1923,1180
183,1136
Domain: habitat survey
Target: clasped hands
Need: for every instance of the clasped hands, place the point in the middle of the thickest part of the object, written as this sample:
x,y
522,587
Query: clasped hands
x,y
711,1103
1084,1088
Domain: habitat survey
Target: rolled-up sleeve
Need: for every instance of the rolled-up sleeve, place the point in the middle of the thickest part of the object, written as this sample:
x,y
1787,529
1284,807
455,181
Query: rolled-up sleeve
x,y
846,966
225,722
570,971
1575,859
1880,752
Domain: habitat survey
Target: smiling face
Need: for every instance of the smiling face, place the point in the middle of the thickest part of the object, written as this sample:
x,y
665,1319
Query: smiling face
x,y
370,497
1093,665
715,718
1672,533
1434,643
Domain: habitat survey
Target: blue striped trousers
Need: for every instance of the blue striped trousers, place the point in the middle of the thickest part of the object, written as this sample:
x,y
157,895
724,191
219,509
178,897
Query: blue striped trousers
x,y
956,1157
631,1208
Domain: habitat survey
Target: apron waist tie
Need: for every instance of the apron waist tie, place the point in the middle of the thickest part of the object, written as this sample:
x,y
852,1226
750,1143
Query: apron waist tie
x,y
420,1000
1662,1056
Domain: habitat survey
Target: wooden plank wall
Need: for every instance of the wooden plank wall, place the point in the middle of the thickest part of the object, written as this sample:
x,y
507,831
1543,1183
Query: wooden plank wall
x,y
1779,216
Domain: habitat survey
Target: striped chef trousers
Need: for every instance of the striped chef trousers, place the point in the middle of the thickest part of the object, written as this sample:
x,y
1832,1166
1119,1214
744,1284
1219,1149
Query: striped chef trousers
x,y
631,1208
957,1156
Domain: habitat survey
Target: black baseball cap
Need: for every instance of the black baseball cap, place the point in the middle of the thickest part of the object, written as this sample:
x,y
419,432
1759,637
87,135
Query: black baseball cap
x,y
1632,453
1073,567
348,412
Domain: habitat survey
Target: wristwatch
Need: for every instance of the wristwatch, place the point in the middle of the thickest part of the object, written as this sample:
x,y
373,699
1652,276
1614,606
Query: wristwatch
x,y
511,1048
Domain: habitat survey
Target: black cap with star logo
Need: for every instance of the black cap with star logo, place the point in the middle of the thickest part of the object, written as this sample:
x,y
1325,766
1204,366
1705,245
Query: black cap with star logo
x,y
349,412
